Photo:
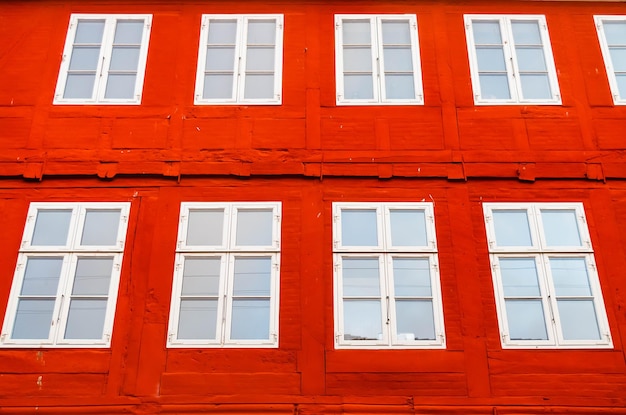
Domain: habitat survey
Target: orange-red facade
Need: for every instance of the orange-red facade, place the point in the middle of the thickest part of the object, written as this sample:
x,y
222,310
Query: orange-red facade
x,y
308,153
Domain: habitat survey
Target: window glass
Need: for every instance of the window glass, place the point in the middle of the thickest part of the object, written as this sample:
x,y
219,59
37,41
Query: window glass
x,y
52,227
510,61
226,293
547,293
100,227
512,228
377,59
240,60
387,291
65,287
107,59
359,227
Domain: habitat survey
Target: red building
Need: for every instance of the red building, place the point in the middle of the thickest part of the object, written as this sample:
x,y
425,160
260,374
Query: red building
x,y
312,207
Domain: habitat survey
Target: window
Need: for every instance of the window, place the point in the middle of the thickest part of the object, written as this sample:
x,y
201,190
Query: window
x,y
104,59
66,280
378,60
387,291
511,60
226,277
544,275
240,60
612,35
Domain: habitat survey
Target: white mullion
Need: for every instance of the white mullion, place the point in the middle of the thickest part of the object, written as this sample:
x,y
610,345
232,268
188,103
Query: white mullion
x,y
227,317
416,59
378,66
102,78
239,81
548,56
386,299
278,61
510,59
339,71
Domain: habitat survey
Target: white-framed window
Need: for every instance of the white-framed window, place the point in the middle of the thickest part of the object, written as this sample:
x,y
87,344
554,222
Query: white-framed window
x,y
544,275
67,275
511,60
386,276
226,279
240,60
612,36
377,60
104,59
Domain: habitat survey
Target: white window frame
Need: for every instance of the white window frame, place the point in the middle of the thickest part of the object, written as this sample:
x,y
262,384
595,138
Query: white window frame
x,y
511,60
239,81
104,59
71,252
385,253
541,253
618,99
228,251
378,61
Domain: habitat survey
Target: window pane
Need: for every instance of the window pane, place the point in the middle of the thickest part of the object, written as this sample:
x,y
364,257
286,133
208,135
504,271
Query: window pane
x,y
415,320
197,319
357,59
251,319
618,58
408,227
51,227
86,319
536,86
218,86
33,319
220,58
531,59
259,86
93,276
362,320
252,277
260,59
358,227
101,227
494,86
396,32
361,277
89,31
512,228
254,227
519,277
399,86
120,86
526,33
615,32
487,33
578,320
491,59
358,86
560,227
261,32
41,276
79,85
84,58
124,59
205,227
411,277
398,59
570,276
526,320
222,32
356,32
128,32
201,276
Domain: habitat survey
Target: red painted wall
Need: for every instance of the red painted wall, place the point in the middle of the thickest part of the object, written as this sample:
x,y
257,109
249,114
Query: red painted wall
x,y
308,153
